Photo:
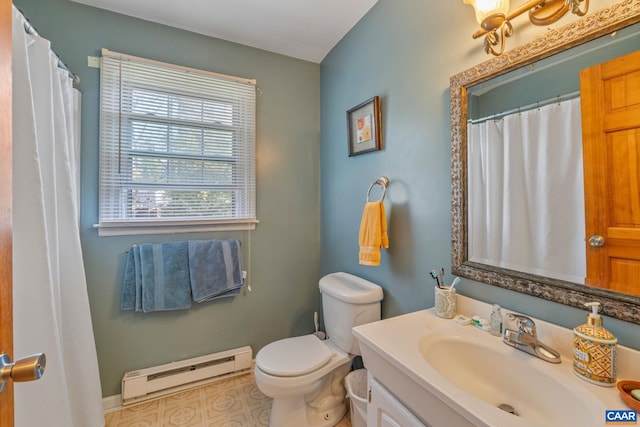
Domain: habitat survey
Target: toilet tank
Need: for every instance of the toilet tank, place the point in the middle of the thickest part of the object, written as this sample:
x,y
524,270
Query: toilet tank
x,y
348,301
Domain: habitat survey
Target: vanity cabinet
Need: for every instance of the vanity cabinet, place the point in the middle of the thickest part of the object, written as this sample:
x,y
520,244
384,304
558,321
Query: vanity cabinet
x,y
385,410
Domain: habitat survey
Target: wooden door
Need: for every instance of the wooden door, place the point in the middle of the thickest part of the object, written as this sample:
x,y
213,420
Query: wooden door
x,y
611,148
6,304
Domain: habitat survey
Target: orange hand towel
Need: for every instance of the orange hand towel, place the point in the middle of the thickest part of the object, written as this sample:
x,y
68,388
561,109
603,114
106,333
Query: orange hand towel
x,y
373,233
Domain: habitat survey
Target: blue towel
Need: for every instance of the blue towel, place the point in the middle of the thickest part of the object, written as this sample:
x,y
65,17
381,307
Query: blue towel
x,y
128,301
138,276
215,269
132,284
164,274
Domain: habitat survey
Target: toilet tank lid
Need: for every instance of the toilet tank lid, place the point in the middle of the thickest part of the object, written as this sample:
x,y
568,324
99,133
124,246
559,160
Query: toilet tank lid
x,y
349,288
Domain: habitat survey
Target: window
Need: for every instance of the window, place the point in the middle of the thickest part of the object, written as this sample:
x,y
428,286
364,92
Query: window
x,y
177,148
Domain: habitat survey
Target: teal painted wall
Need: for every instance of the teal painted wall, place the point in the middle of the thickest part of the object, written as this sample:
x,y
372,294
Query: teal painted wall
x,y
405,51
284,259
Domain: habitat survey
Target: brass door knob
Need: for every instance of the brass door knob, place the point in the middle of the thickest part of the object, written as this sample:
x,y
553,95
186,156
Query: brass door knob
x,y
596,241
29,368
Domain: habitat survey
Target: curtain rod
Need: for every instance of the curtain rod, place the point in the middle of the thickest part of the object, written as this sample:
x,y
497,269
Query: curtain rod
x,y
559,98
30,29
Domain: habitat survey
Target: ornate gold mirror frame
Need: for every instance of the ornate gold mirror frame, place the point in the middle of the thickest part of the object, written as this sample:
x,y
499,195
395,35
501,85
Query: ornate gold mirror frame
x,y
608,20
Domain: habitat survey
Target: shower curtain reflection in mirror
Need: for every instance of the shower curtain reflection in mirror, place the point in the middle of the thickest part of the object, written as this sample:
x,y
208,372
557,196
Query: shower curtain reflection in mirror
x,y
526,192
51,306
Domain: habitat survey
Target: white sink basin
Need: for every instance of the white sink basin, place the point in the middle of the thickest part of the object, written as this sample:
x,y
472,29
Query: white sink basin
x,y
448,374
507,378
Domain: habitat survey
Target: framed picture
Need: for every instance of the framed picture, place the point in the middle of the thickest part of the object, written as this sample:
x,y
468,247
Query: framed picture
x,y
363,127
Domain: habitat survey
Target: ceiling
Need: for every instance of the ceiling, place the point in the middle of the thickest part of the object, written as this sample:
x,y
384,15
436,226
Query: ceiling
x,y
304,29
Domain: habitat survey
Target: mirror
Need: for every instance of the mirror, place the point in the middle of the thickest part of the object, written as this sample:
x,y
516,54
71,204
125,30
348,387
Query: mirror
x,y
542,51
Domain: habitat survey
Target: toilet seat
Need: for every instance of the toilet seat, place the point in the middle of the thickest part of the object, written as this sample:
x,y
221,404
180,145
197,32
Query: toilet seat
x,y
291,357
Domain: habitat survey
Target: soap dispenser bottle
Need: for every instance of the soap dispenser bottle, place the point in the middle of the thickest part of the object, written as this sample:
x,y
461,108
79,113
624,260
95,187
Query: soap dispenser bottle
x,y
496,320
594,350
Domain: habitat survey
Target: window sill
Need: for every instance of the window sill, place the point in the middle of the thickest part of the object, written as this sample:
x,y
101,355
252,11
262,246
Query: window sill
x,y
172,227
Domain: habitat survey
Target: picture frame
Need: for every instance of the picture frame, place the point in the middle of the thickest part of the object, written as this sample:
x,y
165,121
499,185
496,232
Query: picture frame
x,y
364,124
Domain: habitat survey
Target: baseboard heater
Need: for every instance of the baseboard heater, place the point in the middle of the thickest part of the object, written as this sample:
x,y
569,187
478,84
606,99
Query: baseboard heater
x,y
144,384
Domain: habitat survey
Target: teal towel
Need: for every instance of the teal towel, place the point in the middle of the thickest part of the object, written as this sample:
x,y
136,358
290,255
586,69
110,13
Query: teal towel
x,y
132,284
164,269
128,300
215,269
138,276
156,278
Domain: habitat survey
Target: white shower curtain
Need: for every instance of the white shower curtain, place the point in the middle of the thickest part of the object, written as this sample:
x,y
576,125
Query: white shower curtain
x,y
526,192
51,307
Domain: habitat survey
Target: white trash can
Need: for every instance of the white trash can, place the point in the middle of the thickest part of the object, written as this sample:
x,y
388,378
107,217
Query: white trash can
x,y
356,384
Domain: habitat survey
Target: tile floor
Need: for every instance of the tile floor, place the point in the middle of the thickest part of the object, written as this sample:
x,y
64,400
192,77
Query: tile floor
x,y
234,402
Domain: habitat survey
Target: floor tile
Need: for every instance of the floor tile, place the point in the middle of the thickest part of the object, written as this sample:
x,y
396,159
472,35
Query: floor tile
x,y
233,402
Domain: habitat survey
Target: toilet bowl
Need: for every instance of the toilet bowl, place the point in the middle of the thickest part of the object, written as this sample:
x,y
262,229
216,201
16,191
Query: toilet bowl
x,y
305,375
311,394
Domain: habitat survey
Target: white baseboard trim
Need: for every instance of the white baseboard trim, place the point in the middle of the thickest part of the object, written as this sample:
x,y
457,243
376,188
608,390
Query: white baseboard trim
x,y
112,403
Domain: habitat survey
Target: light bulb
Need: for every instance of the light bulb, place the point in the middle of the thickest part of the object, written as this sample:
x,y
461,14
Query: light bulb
x,y
485,8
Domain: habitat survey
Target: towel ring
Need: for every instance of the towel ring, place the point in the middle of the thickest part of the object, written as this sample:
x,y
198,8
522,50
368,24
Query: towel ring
x,y
383,181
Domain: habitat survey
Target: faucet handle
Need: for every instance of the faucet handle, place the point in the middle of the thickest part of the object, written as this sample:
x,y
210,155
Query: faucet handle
x,y
526,325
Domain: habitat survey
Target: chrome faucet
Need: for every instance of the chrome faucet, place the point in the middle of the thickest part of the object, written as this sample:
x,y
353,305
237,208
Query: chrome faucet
x,y
525,339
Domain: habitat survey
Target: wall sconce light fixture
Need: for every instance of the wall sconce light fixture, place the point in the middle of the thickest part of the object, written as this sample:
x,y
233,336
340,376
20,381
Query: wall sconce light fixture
x,y
495,19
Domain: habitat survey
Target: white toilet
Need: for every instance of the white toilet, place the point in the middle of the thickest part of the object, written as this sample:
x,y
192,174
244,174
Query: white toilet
x,y
305,375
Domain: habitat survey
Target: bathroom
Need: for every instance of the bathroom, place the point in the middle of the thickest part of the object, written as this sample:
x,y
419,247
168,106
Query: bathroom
x,y
310,193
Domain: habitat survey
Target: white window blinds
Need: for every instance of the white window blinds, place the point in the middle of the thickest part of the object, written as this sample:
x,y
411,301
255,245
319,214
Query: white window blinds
x,y
177,146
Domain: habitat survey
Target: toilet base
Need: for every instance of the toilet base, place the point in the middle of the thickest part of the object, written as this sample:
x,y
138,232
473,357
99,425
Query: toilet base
x,y
323,408
292,412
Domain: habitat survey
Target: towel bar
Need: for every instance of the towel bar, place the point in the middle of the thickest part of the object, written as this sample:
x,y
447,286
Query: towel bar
x,y
126,251
383,181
